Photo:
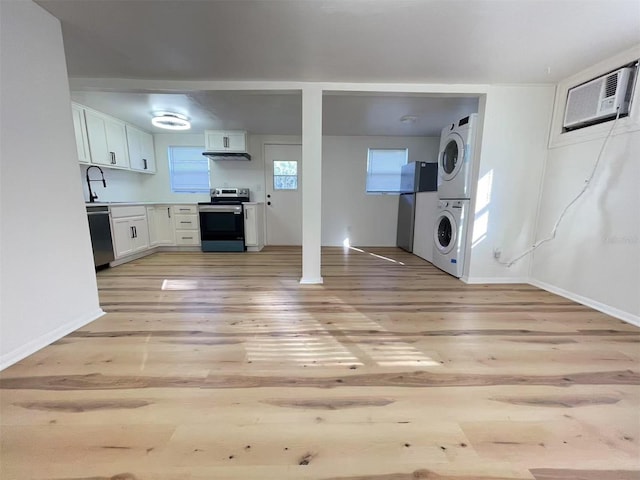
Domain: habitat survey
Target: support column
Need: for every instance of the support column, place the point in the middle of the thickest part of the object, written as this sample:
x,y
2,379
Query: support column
x,y
311,184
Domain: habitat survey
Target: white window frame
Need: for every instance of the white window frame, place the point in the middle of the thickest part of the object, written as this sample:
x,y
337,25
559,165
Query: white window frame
x,y
297,176
198,161
377,186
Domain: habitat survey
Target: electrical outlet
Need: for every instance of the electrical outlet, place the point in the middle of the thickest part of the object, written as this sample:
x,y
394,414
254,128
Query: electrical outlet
x,y
496,253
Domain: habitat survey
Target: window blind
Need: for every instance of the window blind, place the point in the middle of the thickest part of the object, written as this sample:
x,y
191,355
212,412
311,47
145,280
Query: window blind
x,y
189,170
384,168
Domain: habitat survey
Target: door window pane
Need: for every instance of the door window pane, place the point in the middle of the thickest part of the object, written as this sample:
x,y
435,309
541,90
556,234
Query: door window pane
x,y
285,174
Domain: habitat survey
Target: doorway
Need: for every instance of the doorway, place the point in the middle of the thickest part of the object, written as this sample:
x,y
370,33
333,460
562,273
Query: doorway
x,y
283,189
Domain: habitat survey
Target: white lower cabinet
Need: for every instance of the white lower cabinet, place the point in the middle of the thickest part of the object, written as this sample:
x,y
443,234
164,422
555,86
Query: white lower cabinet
x,y
187,225
254,226
130,230
136,228
130,235
161,226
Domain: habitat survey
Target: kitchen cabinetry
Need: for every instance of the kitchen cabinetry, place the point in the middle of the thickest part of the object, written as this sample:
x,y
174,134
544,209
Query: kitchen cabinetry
x,y
161,227
187,224
254,226
80,129
225,141
425,218
141,154
130,230
107,140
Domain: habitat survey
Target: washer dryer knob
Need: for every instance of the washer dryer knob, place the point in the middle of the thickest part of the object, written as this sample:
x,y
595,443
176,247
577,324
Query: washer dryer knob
x,y
444,204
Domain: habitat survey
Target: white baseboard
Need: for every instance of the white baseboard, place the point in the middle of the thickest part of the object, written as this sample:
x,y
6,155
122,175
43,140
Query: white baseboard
x,y
17,354
178,248
601,307
311,281
474,280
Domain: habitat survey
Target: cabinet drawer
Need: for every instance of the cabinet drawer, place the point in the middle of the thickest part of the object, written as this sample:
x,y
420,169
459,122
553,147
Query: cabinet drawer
x,y
186,222
187,237
134,210
185,209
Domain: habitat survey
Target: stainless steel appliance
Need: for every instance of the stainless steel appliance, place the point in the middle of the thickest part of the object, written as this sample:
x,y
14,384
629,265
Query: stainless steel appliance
x,y
222,220
101,241
414,177
419,177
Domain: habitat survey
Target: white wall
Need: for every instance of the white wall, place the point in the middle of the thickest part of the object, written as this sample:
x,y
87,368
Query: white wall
x,y
48,285
511,160
595,257
249,174
225,173
157,188
122,185
370,219
347,211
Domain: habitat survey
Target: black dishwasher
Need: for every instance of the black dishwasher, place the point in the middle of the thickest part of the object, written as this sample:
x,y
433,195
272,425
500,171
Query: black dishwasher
x,y
100,228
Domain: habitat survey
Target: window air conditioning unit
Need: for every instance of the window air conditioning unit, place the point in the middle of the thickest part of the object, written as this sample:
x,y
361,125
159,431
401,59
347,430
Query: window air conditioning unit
x,y
598,99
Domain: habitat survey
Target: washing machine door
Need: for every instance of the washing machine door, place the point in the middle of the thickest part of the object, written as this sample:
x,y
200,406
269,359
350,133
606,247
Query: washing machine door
x,y
451,157
445,234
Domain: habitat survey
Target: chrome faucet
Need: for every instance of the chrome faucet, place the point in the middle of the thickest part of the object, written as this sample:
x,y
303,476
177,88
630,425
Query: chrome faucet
x,y
93,196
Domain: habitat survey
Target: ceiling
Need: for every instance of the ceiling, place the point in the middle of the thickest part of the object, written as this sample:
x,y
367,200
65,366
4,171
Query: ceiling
x,y
427,41
400,41
281,114
460,41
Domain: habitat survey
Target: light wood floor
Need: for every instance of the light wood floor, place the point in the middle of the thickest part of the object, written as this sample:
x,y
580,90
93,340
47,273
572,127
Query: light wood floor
x,y
221,366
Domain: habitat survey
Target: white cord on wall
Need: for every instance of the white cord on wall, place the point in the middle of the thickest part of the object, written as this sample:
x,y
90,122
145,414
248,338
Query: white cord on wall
x,y
569,205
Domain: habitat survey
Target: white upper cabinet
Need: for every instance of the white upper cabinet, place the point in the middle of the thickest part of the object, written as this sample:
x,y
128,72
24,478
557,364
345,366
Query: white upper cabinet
x,y
141,153
225,141
80,129
107,140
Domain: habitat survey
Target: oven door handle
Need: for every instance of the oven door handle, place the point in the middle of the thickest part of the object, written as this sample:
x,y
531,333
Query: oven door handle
x,y
220,209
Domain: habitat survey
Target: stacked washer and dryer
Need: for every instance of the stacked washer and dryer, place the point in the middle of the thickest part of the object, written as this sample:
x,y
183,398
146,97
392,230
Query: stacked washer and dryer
x,y
454,193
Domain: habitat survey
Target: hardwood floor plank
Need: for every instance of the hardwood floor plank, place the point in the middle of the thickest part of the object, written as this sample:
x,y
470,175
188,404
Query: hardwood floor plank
x,y
223,366
570,474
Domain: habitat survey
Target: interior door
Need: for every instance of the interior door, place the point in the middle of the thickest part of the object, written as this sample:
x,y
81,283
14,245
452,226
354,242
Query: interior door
x,y
283,168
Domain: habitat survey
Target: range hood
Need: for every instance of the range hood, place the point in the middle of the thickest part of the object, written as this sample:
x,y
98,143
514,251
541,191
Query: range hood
x,y
234,156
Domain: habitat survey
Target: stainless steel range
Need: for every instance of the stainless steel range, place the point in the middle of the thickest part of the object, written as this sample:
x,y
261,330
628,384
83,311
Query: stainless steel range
x,y
222,220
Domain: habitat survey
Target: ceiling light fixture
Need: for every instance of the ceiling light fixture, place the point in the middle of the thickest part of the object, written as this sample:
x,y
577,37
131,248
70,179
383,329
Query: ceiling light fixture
x,y
170,121
409,119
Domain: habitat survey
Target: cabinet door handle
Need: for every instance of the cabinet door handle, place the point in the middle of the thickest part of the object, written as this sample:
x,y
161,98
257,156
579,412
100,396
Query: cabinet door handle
x,y
169,212
185,222
135,232
132,236
145,163
246,214
226,142
187,238
113,157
